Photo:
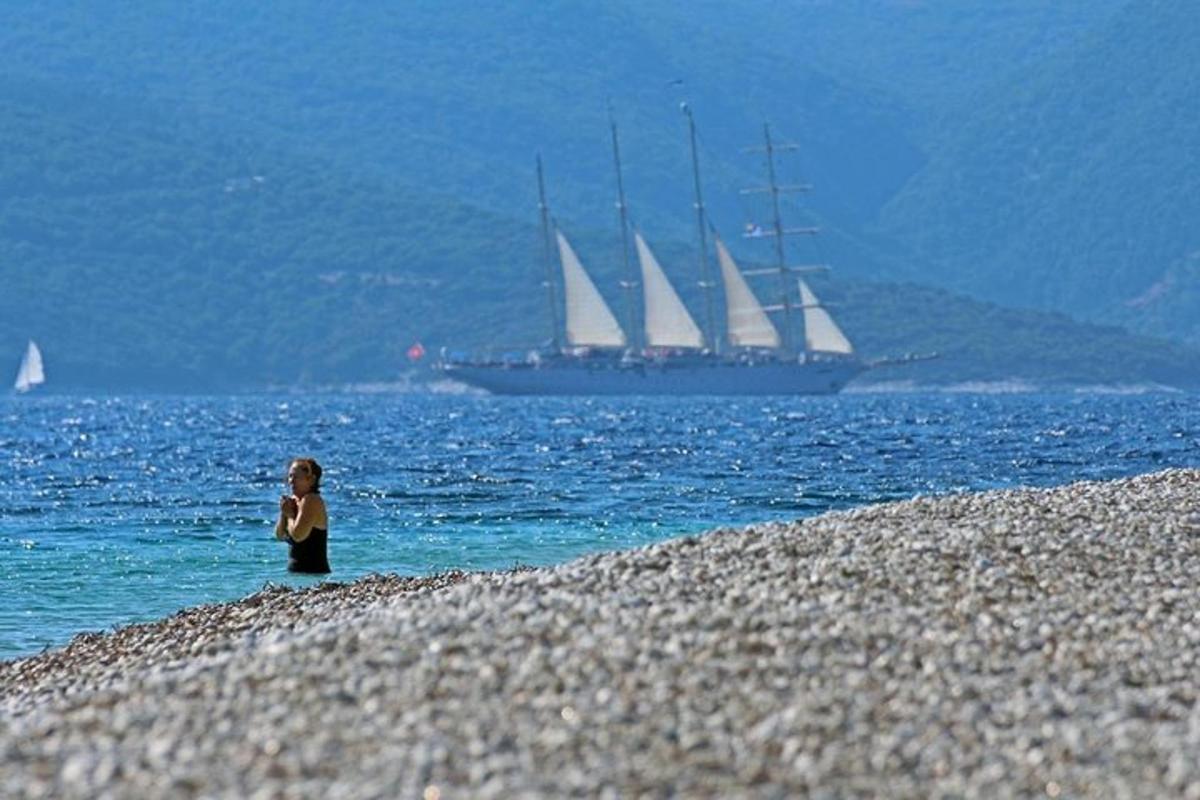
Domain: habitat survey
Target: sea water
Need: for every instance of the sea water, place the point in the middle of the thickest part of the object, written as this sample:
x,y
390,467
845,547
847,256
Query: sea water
x,y
122,509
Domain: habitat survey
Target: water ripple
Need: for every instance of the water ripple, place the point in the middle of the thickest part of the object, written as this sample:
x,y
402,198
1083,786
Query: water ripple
x,y
121,509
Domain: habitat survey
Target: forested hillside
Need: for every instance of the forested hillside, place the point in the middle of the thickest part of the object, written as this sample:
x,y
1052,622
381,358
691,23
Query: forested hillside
x,y
137,250
1075,186
225,194
457,96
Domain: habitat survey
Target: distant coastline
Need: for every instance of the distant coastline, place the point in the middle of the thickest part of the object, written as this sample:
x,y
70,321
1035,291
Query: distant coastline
x,y
1008,386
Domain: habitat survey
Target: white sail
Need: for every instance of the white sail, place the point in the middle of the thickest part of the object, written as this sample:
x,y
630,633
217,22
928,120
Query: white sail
x,y
748,323
31,372
590,323
821,333
668,323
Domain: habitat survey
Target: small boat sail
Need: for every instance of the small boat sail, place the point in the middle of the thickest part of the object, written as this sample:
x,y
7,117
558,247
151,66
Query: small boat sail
x,y
31,372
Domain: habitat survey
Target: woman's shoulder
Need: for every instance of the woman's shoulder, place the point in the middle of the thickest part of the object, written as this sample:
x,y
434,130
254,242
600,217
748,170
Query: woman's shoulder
x,y
313,501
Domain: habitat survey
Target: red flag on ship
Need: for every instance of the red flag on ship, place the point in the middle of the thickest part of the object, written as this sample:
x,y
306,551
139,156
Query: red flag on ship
x,y
416,352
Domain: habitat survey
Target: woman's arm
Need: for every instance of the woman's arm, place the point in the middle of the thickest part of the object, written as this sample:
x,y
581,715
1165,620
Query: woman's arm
x,y
287,512
302,524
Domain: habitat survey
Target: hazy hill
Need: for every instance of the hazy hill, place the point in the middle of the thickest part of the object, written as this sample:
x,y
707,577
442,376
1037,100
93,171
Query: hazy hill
x,y
228,194
459,95
136,249
140,254
930,58
1076,186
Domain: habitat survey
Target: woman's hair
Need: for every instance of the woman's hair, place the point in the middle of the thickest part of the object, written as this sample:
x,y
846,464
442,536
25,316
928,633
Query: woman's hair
x,y
314,469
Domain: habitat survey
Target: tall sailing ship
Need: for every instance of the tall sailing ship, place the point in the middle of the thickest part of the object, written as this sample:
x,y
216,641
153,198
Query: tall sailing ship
x,y
591,353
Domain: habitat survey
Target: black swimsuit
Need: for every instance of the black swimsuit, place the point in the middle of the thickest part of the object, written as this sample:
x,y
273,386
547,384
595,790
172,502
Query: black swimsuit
x,y
309,555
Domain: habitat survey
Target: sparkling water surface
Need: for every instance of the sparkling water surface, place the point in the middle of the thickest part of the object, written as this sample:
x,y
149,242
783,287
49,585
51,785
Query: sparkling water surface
x,y
122,509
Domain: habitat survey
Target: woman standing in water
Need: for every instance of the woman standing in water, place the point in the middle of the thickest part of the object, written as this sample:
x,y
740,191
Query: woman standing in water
x,y
302,519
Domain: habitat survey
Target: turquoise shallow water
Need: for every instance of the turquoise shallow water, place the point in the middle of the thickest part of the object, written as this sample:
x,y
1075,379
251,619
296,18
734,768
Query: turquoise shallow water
x,y
121,509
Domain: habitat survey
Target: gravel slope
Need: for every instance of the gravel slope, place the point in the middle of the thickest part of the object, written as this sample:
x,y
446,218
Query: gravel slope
x,y
1038,642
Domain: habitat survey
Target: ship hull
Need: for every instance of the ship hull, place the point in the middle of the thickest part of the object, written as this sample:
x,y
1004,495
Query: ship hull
x,y
695,378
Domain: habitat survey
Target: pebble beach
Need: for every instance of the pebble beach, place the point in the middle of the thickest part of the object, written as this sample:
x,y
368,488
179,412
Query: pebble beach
x,y
1038,643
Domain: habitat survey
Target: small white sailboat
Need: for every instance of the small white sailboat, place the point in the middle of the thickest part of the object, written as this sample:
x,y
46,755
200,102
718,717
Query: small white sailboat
x,y
31,372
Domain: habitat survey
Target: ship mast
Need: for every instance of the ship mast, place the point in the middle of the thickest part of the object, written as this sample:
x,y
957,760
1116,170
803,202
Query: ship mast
x,y
774,188
630,282
544,213
710,333
777,226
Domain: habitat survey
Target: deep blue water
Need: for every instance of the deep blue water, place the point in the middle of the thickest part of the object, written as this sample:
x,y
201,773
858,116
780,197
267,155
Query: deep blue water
x,y
114,510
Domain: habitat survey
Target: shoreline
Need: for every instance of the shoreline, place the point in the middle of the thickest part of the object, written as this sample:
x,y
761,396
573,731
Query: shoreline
x,y
995,385
195,631
1032,641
